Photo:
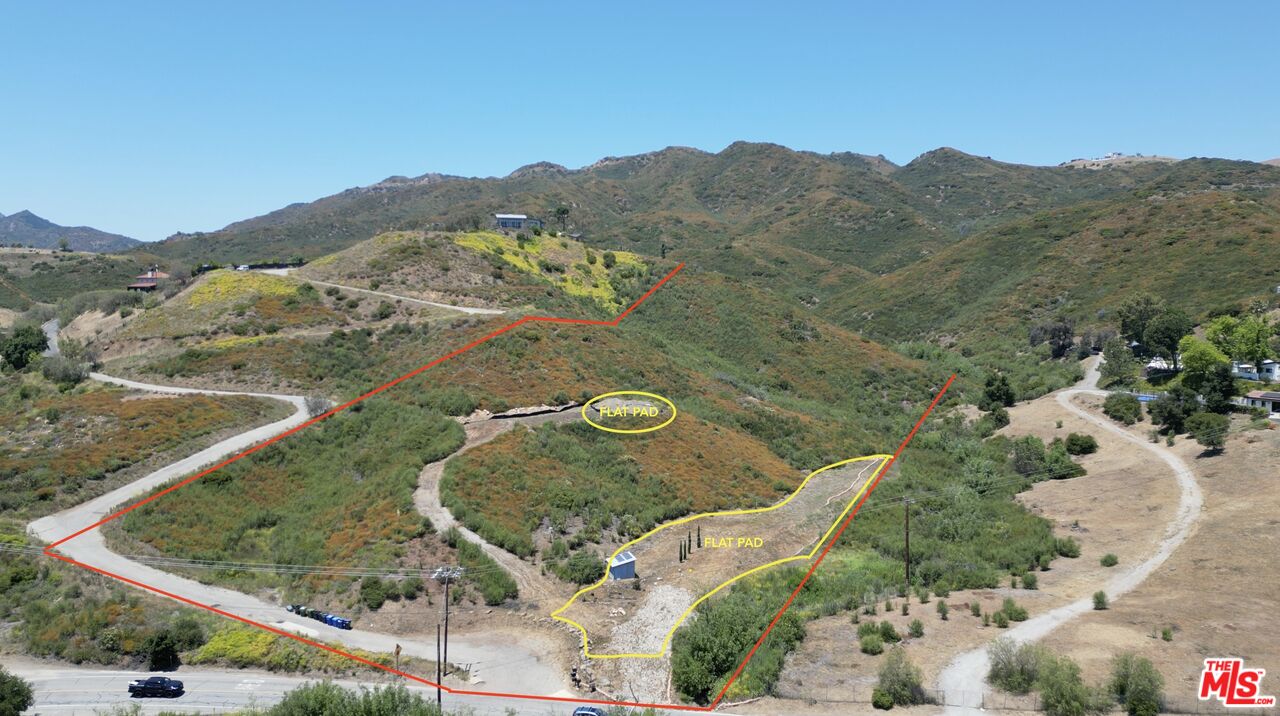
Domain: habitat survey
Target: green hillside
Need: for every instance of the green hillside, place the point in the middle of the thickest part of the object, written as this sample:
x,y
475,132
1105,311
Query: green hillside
x,y
1203,236
40,276
757,211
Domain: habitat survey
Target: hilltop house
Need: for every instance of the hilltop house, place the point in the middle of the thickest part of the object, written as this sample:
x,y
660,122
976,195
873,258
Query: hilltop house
x,y
148,281
1268,371
515,222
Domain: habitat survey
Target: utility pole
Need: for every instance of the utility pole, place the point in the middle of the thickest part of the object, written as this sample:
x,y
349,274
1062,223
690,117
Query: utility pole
x,y
439,678
447,575
906,533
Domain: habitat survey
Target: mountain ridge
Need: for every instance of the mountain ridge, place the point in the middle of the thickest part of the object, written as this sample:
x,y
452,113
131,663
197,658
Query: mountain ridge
x,y
28,229
841,207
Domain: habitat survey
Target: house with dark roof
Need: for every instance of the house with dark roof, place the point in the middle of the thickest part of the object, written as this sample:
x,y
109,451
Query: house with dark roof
x,y
1268,400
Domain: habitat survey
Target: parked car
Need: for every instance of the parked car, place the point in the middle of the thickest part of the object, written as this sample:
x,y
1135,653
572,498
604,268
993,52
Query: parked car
x,y
156,686
588,711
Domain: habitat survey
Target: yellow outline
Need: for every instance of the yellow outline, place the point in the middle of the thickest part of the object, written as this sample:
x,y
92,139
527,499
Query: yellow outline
x,y
598,426
666,641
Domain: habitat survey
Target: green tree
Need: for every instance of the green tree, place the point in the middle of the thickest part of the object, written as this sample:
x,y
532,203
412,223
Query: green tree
x,y
411,587
1081,444
997,392
1199,359
162,652
610,259
1221,332
1218,388
1171,410
584,567
1164,331
1251,340
1118,364
22,345
15,694
1063,691
1136,684
1209,429
562,215
187,634
1123,408
372,592
901,679
1015,667
1135,313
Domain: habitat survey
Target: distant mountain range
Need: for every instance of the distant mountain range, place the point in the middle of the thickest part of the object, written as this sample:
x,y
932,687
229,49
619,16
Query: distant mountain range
x,y
26,229
947,244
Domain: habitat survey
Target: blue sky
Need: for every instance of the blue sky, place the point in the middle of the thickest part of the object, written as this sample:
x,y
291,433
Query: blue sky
x,y
150,118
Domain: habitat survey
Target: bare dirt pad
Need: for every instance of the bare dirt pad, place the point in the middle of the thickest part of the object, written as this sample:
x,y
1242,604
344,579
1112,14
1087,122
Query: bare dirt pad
x,y
1217,591
732,544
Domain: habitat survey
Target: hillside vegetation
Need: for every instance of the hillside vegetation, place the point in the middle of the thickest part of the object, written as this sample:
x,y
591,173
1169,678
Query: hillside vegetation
x,y
29,276
436,266
574,268
1205,245
824,301
751,210
591,486
60,448
340,493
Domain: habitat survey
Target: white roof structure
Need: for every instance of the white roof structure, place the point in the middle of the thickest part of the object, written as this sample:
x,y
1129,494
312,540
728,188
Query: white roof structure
x,y
622,558
510,216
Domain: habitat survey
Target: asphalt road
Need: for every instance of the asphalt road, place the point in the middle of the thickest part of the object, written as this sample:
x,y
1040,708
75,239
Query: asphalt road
x,y
50,328
66,690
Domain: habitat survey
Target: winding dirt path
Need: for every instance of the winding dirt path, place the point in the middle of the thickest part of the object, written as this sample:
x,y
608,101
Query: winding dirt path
x,y
422,302
532,583
963,682
499,660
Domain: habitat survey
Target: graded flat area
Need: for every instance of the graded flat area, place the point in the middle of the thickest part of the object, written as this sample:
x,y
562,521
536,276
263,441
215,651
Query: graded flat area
x,y
635,618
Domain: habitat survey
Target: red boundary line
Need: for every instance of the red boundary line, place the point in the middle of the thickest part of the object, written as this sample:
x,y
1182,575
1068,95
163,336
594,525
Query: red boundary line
x,y
48,551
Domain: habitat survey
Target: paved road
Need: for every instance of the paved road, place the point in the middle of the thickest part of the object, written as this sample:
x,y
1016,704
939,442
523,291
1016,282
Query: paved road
x,y
50,328
463,309
497,663
964,679
67,690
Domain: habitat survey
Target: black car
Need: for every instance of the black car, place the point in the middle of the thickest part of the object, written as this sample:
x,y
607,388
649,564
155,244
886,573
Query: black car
x,y
156,686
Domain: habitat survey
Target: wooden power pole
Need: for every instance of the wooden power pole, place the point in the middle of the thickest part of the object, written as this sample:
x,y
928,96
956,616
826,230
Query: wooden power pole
x,y
439,678
447,575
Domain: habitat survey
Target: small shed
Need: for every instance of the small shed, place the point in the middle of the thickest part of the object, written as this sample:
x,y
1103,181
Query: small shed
x,y
623,566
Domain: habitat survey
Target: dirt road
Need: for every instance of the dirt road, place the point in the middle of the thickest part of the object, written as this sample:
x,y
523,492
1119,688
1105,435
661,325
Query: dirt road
x,y
530,580
496,661
462,309
964,680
